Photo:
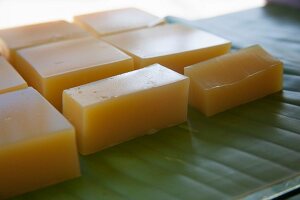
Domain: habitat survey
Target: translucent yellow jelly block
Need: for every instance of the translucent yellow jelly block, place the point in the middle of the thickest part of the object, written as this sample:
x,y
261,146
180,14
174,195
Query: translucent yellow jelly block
x,y
13,39
173,46
10,80
233,79
114,110
115,21
51,68
37,144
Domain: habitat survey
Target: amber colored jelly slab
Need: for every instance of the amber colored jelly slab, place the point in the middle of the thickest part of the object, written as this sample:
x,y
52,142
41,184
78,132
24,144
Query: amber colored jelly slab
x,y
37,144
174,46
117,109
10,80
12,39
51,68
233,79
116,21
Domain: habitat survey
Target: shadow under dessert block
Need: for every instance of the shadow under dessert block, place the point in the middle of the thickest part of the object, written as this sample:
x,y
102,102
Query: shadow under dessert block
x,y
173,46
12,39
115,21
119,108
37,144
54,67
233,79
10,80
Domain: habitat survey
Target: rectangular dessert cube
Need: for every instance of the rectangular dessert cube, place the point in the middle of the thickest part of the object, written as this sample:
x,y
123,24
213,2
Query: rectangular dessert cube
x,y
174,46
233,79
51,68
116,109
37,144
115,21
10,80
12,39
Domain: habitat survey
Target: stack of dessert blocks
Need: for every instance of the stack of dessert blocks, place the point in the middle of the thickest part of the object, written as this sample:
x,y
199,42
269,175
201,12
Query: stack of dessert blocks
x,y
106,78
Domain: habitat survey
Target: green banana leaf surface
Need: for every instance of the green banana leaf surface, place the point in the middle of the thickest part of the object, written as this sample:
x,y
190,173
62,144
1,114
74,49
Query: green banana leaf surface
x,y
248,152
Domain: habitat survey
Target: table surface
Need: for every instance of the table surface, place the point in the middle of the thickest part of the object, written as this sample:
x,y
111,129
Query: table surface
x,y
250,152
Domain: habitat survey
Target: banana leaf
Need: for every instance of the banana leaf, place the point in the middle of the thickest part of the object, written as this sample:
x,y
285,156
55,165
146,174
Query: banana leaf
x,y
249,152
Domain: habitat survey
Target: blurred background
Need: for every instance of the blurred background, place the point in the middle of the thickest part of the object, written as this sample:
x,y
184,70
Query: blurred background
x,y
19,12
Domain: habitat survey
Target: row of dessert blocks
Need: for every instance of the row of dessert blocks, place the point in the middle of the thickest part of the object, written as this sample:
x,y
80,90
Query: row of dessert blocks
x,y
62,61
